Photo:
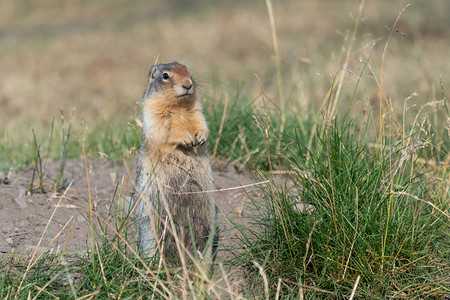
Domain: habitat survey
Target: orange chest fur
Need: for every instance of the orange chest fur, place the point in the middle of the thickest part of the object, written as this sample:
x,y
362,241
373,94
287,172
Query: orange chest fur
x,y
166,122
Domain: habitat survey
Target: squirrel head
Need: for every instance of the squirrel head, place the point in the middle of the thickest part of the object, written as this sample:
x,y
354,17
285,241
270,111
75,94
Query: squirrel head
x,y
171,82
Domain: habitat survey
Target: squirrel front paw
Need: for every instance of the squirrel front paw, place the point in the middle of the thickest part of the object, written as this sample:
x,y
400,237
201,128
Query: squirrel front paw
x,y
200,138
188,141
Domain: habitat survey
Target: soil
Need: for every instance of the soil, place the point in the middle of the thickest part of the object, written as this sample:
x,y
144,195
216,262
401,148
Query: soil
x,y
60,221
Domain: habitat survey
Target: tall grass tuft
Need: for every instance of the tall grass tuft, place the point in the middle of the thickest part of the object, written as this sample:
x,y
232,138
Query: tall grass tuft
x,y
369,215
38,168
64,143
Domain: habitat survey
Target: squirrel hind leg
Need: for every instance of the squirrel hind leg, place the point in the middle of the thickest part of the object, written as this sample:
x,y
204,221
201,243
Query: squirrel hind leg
x,y
146,238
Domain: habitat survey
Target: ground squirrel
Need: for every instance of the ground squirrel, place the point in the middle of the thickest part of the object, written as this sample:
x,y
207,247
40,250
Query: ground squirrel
x,y
174,172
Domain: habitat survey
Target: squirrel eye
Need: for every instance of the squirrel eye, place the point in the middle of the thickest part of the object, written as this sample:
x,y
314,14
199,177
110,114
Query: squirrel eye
x,y
165,76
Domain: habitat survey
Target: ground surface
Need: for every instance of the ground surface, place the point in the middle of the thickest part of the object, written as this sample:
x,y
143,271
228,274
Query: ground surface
x,y
54,221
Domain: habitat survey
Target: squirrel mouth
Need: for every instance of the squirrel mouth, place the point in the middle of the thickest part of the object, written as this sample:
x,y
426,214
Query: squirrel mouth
x,y
185,95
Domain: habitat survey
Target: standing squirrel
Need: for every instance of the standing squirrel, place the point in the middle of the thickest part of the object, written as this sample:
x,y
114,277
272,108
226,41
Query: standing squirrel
x,y
174,173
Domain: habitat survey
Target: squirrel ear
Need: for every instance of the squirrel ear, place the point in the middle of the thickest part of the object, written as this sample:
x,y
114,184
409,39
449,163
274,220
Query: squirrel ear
x,y
151,73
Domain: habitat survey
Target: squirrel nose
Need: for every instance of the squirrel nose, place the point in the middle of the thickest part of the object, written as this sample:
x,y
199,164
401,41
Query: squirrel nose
x,y
187,86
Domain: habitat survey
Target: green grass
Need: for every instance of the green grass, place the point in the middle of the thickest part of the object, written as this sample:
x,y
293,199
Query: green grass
x,y
241,140
374,216
110,138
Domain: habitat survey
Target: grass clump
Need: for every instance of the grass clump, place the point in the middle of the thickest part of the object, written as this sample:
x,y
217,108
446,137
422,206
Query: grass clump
x,y
239,140
374,216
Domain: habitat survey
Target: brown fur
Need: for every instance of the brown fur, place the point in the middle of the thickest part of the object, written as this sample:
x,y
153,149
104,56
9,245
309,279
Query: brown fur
x,y
174,170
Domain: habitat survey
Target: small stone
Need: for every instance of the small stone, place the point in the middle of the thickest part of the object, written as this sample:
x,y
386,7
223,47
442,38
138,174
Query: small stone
x,y
20,199
303,208
9,241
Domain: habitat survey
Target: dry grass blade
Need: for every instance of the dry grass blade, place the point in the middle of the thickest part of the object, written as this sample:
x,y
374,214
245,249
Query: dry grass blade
x,y
277,61
424,201
219,190
264,277
308,244
277,295
355,287
90,205
346,61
